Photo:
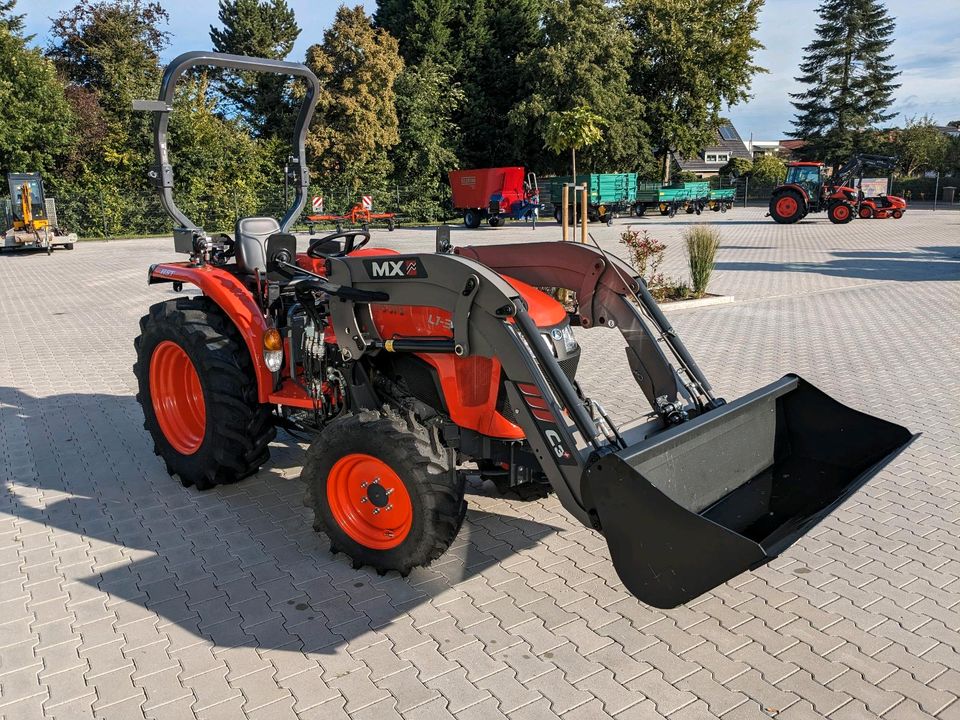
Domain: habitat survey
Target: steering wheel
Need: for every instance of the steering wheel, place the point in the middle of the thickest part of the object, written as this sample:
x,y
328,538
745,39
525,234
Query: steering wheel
x,y
318,248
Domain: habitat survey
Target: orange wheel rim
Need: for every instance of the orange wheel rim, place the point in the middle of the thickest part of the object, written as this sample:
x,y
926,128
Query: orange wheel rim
x,y
369,501
177,398
786,206
841,212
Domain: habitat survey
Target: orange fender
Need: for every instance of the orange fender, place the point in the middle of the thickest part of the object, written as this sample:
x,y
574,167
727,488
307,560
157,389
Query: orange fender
x,y
237,303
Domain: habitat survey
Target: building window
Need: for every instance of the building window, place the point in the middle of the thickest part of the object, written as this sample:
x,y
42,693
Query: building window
x,y
718,158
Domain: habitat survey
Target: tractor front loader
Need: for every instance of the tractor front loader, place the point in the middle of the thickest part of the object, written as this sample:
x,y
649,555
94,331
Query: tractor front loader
x,y
403,368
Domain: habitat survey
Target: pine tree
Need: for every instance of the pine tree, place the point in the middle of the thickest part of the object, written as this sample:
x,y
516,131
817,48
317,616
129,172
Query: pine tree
x,y
497,34
259,28
12,21
849,79
356,120
585,63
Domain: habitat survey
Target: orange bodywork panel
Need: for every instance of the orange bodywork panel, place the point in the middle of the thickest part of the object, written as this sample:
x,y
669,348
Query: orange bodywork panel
x,y
470,385
236,301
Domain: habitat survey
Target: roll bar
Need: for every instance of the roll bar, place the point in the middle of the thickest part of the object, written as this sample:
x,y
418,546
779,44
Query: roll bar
x,y
161,175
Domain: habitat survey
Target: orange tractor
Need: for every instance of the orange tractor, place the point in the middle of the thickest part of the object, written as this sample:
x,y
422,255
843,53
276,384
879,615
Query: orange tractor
x,y
407,371
807,189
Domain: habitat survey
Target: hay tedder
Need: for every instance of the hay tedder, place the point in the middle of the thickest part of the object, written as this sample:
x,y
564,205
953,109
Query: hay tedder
x,y
403,368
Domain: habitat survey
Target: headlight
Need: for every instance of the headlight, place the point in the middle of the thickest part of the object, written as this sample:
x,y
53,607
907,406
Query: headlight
x,y
273,350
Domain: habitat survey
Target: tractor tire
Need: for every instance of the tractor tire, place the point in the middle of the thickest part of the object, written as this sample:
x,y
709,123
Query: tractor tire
x,y
639,210
471,219
495,221
897,214
198,392
865,212
68,246
841,213
787,207
665,211
391,225
384,490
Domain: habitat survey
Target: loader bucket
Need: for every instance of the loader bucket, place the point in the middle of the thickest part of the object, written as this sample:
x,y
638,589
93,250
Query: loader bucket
x,y
699,503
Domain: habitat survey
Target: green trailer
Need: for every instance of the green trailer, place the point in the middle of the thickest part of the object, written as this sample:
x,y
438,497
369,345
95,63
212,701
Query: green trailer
x,y
721,199
608,194
670,199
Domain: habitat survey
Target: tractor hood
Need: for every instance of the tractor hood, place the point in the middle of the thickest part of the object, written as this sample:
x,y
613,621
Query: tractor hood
x,y
545,310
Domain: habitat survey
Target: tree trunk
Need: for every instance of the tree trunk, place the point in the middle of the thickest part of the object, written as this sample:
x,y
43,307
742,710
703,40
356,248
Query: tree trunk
x,y
573,156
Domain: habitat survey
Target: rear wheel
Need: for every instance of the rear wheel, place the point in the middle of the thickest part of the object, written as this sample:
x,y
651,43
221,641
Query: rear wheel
x,y
471,218
840,213
384,491
787,207
495,221
865,212
198,392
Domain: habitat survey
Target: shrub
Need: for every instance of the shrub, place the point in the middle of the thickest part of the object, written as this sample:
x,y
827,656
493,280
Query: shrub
x,y
646,254
702,242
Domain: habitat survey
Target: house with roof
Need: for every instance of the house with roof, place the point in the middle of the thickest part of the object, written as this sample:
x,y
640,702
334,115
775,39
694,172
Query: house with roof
x,y
708,161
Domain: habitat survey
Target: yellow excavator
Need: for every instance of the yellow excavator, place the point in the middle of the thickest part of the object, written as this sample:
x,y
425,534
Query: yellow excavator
x,y
32,217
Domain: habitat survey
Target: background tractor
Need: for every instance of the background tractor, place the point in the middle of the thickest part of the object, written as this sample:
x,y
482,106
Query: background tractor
x,y
32,217
809,189
405,372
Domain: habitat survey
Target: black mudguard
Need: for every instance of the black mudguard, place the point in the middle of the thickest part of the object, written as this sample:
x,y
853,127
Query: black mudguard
x,y
699,503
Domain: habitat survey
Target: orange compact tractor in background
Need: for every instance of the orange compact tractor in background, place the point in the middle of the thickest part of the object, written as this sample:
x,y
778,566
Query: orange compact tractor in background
x,y
402,369
808,189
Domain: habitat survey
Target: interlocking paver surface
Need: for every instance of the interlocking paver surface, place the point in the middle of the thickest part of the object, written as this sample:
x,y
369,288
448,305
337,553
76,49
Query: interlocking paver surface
x,y
124,595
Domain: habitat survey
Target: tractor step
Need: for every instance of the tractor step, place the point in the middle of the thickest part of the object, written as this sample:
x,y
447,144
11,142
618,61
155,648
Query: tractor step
x,y
730,490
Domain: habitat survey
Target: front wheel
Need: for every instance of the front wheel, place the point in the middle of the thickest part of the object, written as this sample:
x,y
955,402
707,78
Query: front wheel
x,y
384,490
897,214
840,213
198,392
495,221
865,212
471,218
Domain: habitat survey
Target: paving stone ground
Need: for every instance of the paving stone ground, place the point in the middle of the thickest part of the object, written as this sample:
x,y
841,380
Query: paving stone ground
x,y
124,595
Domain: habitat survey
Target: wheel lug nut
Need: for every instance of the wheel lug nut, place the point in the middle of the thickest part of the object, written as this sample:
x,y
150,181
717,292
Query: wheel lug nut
x,y
376,511
389,491
363,499
376,481
389,507
363,484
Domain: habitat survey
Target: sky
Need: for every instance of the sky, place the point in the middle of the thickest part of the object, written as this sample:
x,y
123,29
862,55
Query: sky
x,y
925,50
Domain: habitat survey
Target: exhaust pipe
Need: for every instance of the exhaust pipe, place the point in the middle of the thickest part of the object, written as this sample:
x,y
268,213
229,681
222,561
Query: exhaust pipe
x,y
701,502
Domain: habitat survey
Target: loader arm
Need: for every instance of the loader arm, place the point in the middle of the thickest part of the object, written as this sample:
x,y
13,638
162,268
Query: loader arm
x,y
687,506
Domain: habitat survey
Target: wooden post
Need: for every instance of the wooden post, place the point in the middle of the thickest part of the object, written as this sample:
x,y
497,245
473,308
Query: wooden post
x,y
564,214
583,213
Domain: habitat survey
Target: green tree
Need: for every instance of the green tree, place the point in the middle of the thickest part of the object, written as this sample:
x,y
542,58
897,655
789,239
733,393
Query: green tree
x,y
425,103
572,130
356,122
36,126
769,169
222,173
259,28
426,28
497,34
584,63
11,20
848,79
108,51
690,59
737,166
920,146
